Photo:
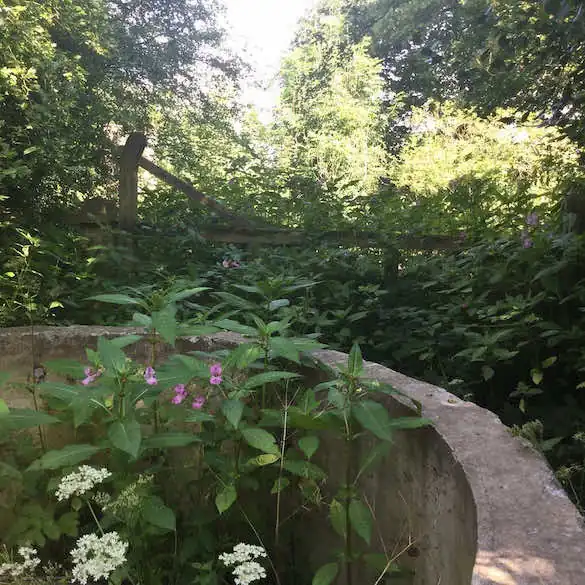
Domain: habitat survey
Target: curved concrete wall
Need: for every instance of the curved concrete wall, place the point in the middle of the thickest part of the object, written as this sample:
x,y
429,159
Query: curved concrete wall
x,y
476,505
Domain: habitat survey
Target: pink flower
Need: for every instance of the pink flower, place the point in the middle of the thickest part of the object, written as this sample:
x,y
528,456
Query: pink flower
x,y
532,219
150,376
215,380
215,369
90,376
226,263
198,402
178,398
180,389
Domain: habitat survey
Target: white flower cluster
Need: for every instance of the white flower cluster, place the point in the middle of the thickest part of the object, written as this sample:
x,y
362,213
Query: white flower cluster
x,y
243,559
29,563
80,481
96,557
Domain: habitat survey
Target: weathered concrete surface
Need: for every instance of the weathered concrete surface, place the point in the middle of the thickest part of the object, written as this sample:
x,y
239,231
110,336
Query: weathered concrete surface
x,y
480,507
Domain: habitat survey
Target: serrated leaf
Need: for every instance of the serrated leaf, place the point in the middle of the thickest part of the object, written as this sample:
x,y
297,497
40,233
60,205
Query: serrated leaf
x,y
157,513
360,519
375,454
236,327
116,299
374,417
260,439
225,498
279,484
244,355
69,455
268,377
197,416
125,340
326,574
111,356
282,347
185,294
165,323
233,410
142,320
355,362
126,436
25,418
63,392
309,445
304,469
337,517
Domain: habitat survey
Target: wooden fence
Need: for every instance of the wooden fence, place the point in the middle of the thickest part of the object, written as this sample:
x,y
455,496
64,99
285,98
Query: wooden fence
x,y
244,230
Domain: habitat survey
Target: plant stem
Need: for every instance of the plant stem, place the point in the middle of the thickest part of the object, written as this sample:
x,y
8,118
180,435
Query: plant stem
x,y
40,427
95,517
348,535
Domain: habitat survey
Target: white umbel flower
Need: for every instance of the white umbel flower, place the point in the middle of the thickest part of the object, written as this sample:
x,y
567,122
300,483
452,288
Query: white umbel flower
x,y
29,563
81,481
243,559
97,557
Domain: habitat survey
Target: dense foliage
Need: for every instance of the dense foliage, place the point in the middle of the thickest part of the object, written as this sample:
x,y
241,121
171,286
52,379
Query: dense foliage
x,y
400,117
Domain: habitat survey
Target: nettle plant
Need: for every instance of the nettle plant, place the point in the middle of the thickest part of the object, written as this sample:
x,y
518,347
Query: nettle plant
x,y
169,462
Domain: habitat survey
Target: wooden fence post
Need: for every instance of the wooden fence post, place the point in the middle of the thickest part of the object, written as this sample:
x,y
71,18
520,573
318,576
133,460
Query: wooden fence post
x,y
128,188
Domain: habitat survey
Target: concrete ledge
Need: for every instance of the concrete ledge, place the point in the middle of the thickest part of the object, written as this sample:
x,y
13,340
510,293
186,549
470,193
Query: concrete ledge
x,y
491,511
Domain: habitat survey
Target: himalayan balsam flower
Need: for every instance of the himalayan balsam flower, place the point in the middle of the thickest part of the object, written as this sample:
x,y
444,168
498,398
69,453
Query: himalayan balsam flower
x,y
198,402
150,376
230,264
244,560
532,219
81,481
215,371
180,394
90,376
97,557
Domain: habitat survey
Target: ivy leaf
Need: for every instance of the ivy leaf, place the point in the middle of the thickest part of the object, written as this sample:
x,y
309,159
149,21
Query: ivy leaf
x,y
360,518
225,498
326,574
126,436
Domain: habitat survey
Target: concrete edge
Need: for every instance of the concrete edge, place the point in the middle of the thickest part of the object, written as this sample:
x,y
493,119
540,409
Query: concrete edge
x,y
528,531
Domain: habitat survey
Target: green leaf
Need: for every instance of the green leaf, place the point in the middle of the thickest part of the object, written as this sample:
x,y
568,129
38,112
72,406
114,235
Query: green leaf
x,y
125,340
355,362
548,362
64,367
68,523
185,294
268,377
278,304
25,418
225,498
308,445
111,356
142,320
279,484
236,327
165,322
126,436
374,417
63,392
244,355
360,518
164,440
233,410
282,347
69,455
375,454
197,416
326,574
261,439
266,459
536,376
10,472
337,517
116,299
157,513
304,469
